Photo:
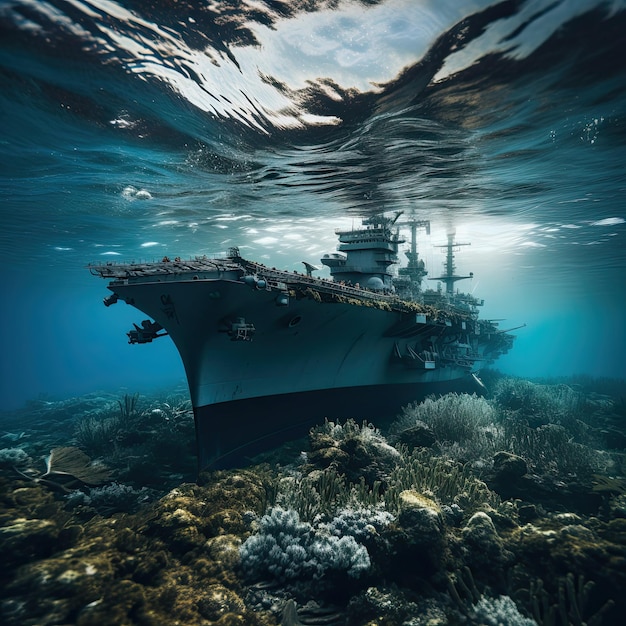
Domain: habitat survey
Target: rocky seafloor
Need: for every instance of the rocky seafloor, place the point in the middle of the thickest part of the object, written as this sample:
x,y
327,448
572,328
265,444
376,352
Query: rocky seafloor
x,y
507,508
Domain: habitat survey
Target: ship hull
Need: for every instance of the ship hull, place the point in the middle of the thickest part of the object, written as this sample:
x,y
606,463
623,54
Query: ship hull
x,y
230,434
267,358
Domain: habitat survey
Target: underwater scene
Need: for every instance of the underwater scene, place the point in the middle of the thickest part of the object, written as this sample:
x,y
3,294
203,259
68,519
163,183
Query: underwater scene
x,y
141,140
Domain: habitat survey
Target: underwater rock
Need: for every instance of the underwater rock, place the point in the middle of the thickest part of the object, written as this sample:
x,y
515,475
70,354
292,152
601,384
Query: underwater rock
x,y
527,512
390,606
325,456
32,525
507,466
181,527
226,521
559,548
509,475
615,531
116,604
484,545
584,547
548,491
52,590
241,490
419,435
420,513
32,500
190,514
617,506
421,521
149,569
26,539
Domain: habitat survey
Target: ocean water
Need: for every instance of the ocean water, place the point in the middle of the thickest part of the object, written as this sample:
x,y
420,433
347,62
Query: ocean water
x,y
134,130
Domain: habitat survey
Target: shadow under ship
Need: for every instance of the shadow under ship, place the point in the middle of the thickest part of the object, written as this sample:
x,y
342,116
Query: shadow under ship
x,y
268,352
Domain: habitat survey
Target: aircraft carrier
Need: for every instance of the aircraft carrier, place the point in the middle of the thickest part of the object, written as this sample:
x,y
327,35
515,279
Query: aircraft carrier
x,y
267,352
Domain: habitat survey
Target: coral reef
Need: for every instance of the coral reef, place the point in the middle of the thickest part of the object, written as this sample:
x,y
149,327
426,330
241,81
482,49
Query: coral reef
x,y
171,562
14,457
109,499
504,509
352,450
536,403
140,443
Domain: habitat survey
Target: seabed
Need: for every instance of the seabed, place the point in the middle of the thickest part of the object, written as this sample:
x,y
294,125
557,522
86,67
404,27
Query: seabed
x,y
508,508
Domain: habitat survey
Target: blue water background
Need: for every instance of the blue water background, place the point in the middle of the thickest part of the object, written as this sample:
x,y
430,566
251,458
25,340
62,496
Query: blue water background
x,y
135,130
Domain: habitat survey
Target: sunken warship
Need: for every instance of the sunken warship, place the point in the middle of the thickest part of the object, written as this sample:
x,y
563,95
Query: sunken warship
x,y
269,352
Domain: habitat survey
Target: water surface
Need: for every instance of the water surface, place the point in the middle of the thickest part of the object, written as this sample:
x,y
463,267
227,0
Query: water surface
x,y
134,130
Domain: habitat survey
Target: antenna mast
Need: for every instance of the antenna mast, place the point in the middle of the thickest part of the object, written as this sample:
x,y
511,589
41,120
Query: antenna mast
x,y
449,277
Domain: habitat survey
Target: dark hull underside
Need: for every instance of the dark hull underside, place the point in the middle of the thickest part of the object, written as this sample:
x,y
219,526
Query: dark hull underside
x,y
229,434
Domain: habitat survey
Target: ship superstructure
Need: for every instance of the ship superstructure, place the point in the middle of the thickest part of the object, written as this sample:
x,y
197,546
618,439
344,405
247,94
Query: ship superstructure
x,y
366,255
409,281
267,351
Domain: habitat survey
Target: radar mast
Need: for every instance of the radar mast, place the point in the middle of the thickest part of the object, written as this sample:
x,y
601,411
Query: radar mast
x,y
449,277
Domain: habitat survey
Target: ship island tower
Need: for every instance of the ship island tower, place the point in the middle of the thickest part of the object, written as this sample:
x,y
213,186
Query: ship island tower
x,y
365,255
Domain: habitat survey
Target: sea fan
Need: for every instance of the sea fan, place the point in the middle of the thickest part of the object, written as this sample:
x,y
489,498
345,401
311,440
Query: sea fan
x,y
71,461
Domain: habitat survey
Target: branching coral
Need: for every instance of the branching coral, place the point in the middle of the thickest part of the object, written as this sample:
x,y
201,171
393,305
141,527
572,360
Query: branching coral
x,y
550,449
97,433
539,404
450,482
139,443
453,417
490,611
482,609
128,406
321,494
110,498
286,548
536,422
571,607
464,426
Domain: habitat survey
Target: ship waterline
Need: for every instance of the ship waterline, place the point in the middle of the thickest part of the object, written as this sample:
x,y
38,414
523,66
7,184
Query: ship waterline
x,y
267,352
